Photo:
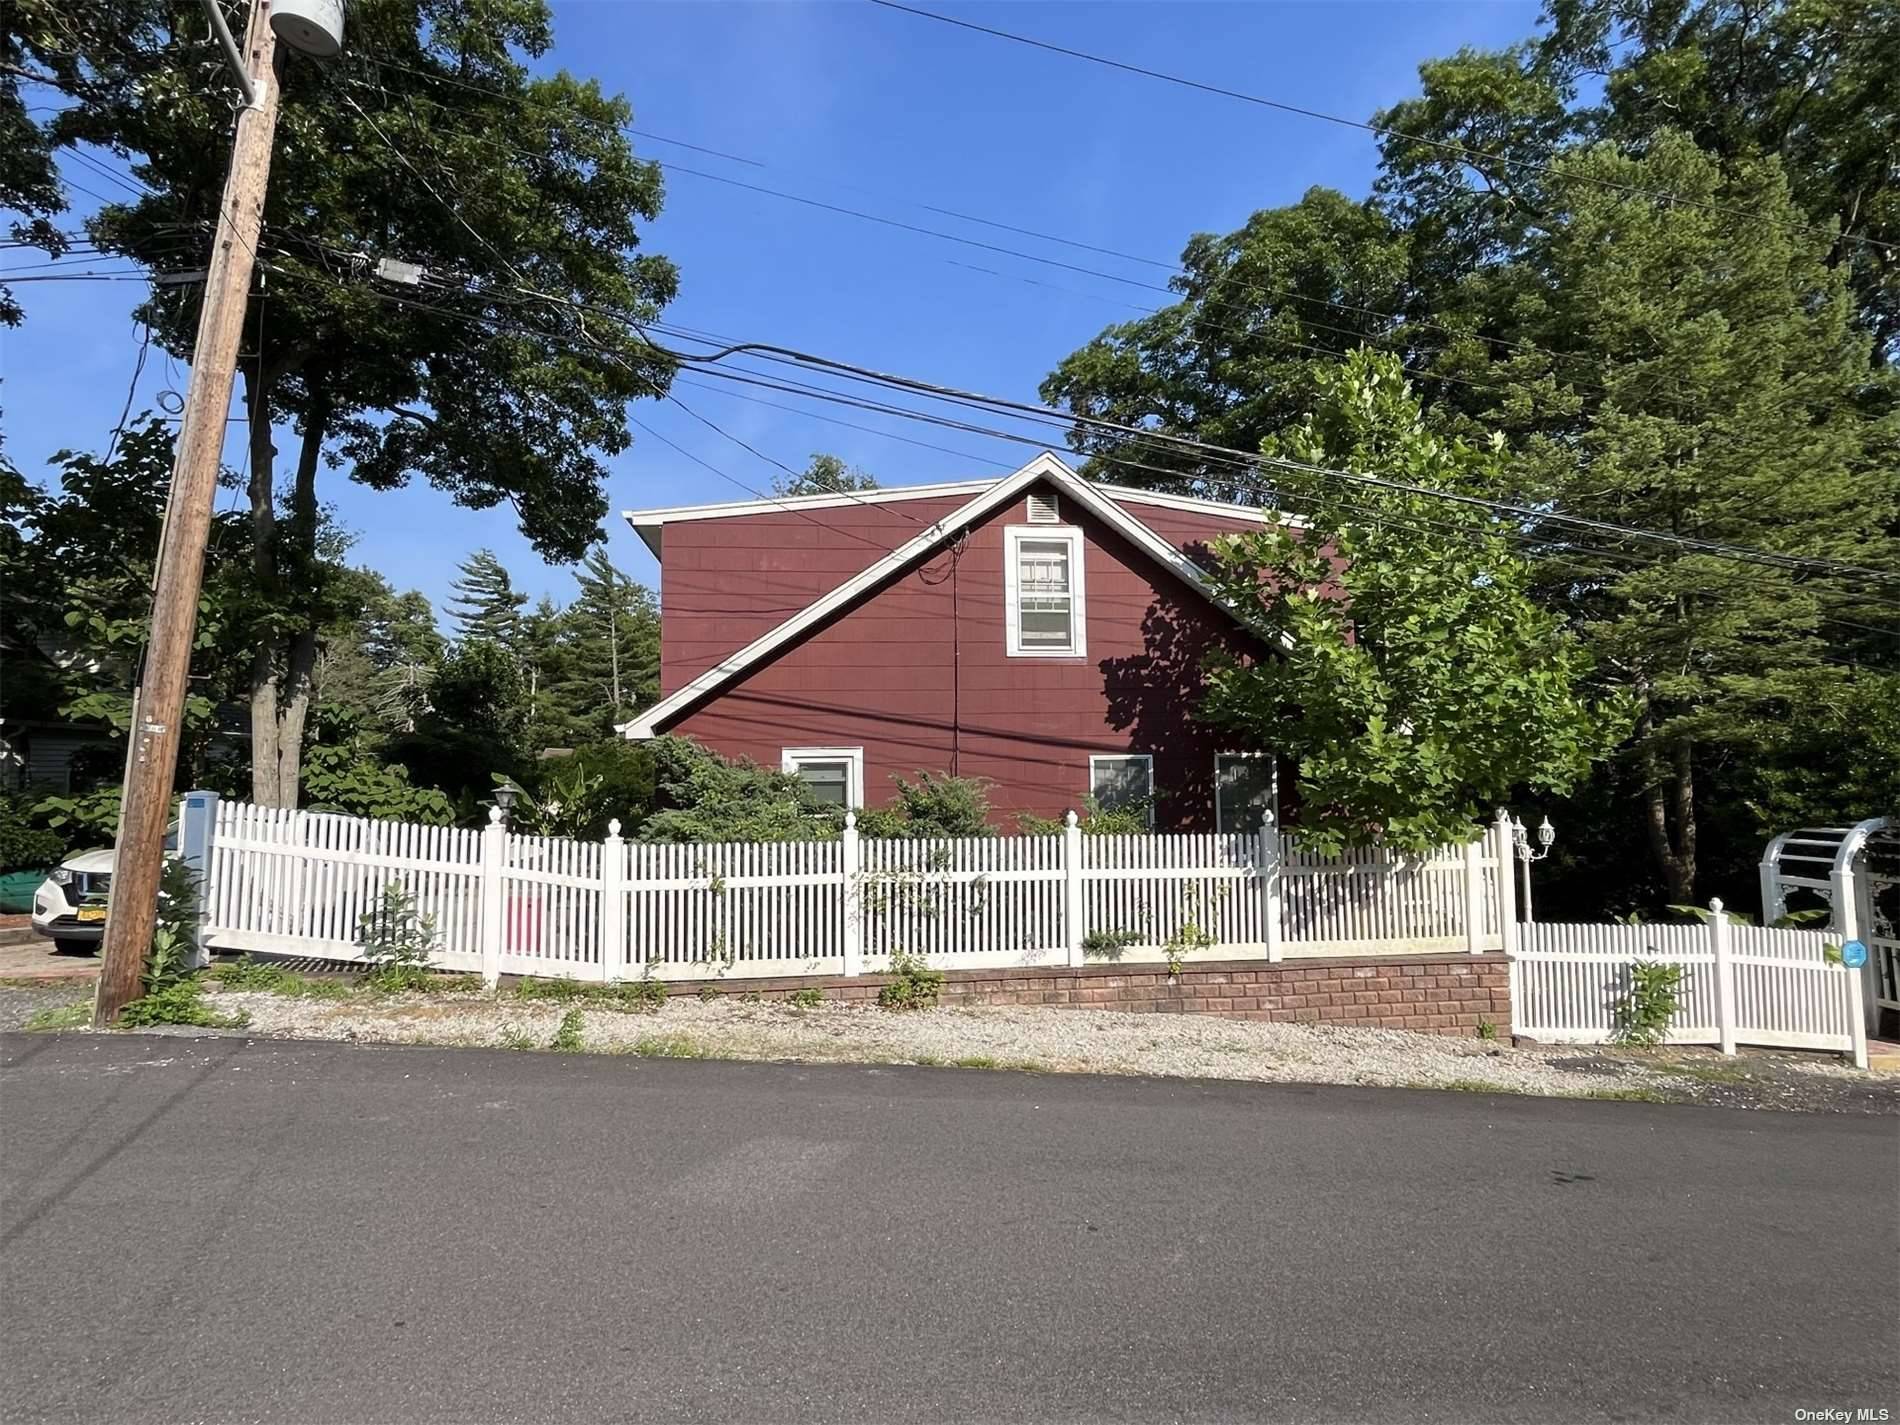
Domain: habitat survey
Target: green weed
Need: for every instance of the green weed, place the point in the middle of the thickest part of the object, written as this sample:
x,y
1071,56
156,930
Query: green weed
x,y
179,1002
808,998
976,1061
65,1016
668,1046
517,1039
912,985
567,1038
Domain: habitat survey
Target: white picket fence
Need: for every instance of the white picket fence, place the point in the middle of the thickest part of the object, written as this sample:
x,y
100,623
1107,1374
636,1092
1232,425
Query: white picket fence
x,y
1742,984
291,882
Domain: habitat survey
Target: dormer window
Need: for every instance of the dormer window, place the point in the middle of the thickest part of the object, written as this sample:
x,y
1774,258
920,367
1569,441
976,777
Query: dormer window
x,y
1044,586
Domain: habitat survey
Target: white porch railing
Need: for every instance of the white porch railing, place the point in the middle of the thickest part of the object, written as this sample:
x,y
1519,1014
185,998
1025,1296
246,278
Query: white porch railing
x,y
1742,984
297,882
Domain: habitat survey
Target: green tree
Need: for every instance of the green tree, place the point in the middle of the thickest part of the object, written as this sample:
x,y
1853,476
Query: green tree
x,y
614,630
484,603
1418,685
825,475
1238,357
1813,84
1731,398
378,665
517,193
476,724
76,567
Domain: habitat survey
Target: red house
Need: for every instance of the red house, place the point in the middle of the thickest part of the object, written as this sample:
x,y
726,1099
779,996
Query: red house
x,y
1039,631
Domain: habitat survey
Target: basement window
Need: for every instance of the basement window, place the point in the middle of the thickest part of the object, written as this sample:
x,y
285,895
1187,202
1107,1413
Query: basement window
x,y
1043,578
1246,791
1124,783
835,775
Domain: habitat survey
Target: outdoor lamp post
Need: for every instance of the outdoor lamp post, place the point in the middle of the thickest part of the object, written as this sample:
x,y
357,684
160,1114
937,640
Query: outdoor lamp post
x,y
1521,838
505,797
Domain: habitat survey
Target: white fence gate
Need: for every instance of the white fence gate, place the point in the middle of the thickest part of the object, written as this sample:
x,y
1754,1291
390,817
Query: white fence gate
x,y
293,882
1742,984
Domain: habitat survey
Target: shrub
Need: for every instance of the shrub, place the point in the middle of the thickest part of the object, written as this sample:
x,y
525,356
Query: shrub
x,y
931,806
703,797
174,992
397,941
913,984
23,847
1108,944
808,998
1093,818
1650,999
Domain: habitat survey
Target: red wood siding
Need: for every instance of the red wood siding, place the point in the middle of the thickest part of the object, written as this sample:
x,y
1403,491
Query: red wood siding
x,y
723,582
918,675
726,581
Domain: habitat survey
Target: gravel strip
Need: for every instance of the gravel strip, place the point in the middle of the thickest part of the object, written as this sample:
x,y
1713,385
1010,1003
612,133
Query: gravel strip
x,y
1076,1041
19,1002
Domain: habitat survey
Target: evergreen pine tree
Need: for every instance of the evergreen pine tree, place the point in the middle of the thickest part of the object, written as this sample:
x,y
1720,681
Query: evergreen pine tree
x,y
483,601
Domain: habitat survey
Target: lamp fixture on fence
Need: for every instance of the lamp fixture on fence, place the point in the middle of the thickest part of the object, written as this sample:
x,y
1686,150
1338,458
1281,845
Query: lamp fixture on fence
x,y
1521,839
505,797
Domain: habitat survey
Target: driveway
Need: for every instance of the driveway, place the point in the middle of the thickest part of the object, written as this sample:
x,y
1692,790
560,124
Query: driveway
x,y
235,1230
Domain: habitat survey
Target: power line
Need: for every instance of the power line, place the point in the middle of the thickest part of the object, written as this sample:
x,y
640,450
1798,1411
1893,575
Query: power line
x,y
1383,131
1394,338
1529,516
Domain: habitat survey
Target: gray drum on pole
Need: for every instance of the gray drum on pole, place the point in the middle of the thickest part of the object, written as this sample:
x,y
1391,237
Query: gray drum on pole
x,y
312,27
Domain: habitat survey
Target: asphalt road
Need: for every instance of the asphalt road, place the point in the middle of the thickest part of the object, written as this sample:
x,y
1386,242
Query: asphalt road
x,y
224,1230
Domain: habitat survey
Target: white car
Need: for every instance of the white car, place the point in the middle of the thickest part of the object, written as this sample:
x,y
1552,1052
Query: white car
x,y
69,908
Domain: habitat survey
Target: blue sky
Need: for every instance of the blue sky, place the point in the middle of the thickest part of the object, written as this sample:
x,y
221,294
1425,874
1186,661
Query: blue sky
x,y
837,99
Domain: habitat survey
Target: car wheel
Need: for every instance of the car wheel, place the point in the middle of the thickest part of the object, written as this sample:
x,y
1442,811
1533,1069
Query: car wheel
x,y
74,947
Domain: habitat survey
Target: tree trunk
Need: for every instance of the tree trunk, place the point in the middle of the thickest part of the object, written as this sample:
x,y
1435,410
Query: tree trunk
x,y
283,669
264,567
1669,796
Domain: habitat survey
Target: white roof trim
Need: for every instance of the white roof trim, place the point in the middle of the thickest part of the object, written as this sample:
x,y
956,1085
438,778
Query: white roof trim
x,y
995,494
649,523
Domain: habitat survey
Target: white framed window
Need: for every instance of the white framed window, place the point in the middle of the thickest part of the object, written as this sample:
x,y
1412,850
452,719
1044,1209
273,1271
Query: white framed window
x,y
1044,595
834,774
1124,783
1246,790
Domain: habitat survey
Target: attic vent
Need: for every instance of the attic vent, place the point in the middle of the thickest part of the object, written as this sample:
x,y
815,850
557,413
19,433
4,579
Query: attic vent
x,y
1042,510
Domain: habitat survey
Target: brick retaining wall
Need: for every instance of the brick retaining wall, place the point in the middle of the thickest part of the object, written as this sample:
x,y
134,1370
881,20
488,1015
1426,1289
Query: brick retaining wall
x,y
1430,994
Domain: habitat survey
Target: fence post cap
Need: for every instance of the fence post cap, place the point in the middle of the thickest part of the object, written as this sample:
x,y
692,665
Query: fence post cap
x,y
850,821
1069,818
494,816
613,826
1715,904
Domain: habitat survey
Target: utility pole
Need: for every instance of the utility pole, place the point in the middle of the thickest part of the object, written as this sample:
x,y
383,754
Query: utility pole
x,y
159,704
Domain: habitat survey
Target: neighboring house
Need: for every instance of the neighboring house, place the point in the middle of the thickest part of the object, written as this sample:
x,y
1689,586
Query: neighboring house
x,y
1038,631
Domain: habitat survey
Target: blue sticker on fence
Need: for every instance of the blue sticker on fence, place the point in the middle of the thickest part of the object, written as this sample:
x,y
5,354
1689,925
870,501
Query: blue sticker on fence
x,y
1854,954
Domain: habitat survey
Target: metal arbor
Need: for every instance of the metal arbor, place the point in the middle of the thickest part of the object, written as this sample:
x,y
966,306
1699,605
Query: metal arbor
x,y
1856,870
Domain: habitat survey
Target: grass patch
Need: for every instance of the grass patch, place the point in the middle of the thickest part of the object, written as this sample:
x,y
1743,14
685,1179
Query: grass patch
x,y
1724,1073
975,1061
517,1039
927,1061
456,984
1470,1086
65,1016
638,995
808,998
668,1046
1625,1095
